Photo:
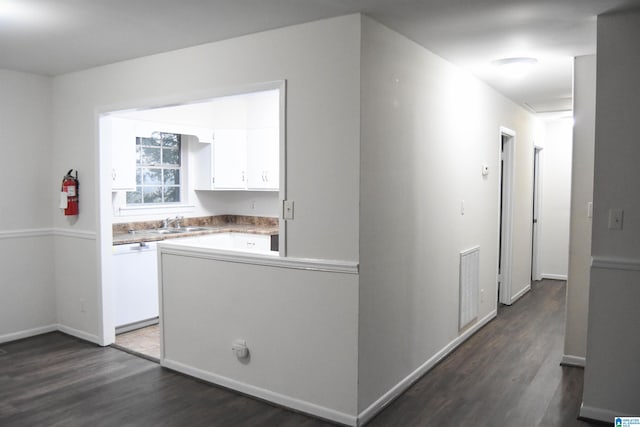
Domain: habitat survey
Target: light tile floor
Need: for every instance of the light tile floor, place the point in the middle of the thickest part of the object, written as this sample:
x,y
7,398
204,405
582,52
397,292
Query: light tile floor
x,y
145,341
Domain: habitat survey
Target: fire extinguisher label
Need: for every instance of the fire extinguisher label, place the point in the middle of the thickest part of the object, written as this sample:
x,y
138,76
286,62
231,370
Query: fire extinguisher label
x,y
64,200
71,191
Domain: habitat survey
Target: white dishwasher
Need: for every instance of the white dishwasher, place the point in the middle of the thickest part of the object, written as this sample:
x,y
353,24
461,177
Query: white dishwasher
x,y
135,284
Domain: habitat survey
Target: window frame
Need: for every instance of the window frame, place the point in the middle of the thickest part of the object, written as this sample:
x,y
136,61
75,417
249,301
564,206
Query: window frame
x,y
183,174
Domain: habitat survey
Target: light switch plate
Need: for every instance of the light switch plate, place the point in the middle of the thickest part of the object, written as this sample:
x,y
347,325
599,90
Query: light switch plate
x,y
287,209
615,219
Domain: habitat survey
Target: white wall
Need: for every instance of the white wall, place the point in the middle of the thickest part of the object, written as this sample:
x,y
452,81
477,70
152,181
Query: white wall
x,y
301,328
27,285
555,204
584,111
427,129
320,63
612,377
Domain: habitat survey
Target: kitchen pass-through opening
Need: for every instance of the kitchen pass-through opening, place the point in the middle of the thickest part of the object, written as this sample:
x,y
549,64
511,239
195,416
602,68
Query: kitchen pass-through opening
x,y
204,131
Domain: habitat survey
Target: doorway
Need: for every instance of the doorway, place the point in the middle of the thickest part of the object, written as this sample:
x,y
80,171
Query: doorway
x,y
505,227
536,223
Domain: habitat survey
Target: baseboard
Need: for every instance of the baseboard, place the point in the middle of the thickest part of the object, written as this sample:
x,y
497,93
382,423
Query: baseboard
x,y
79,334
554,276
261,393
600,414
136,325
520,294
366,415
577,361
27,333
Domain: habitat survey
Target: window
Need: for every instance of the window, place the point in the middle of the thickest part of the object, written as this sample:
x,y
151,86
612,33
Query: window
x,y
158,170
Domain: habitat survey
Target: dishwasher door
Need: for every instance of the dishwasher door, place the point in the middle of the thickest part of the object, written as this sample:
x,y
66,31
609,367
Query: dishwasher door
x,y
135,283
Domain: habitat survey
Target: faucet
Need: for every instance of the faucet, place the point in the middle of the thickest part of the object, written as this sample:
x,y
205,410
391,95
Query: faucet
x,y
168,221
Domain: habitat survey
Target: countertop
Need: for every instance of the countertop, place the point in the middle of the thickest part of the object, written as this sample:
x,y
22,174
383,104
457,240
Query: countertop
x,y
140,231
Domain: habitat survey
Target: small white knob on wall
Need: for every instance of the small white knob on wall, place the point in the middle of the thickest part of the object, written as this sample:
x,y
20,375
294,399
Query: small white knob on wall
x,y
240,349
485,170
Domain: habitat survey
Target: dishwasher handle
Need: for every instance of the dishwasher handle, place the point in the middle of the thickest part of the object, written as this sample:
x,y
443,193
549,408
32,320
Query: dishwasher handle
x,y
141,247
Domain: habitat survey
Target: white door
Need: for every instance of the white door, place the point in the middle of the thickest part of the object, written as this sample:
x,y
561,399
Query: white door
x,y
535,227
505,244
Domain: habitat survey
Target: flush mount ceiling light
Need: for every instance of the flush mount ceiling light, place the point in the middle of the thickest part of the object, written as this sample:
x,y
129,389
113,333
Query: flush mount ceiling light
x,y
515,67
11,9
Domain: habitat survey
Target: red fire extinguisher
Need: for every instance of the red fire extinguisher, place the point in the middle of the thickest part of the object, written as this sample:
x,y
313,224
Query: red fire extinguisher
x,y
69,194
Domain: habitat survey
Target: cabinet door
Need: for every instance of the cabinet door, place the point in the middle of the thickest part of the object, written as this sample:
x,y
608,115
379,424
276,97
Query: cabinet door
x,y
121,134
230,159
202,155
263,156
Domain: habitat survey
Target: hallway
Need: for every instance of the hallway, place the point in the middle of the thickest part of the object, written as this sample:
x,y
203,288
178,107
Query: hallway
x,y
506,374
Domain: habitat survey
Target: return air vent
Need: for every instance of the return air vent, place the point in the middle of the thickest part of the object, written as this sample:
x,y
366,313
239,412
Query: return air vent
x,y
469,285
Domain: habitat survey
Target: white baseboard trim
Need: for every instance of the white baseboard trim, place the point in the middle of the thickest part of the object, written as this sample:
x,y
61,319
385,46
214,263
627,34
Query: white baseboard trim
x,y
79,334
366,415
615,263
601,414
568,360
554,276
27,333
261,393
519,295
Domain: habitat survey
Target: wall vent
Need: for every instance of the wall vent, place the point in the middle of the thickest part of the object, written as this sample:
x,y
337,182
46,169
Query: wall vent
x,y
469,286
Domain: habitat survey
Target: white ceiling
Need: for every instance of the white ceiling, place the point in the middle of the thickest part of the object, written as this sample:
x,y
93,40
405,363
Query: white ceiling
x,y
53,37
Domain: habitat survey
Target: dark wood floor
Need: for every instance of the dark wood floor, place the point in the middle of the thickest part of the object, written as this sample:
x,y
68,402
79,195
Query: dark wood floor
x,y
505,375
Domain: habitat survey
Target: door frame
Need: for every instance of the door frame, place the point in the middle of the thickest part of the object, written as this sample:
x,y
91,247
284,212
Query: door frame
x,y
506,153
536,224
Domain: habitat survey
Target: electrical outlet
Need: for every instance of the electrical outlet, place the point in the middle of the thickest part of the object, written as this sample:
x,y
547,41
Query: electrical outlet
x,y
83,306
481,295
252,205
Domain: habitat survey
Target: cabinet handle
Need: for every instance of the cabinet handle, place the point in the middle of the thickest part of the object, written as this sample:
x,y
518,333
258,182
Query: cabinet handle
x,y
251,243
242,176
113,174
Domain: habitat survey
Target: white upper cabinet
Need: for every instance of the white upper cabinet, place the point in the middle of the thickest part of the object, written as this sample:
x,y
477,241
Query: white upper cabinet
x,y
121,135
263,156
230,159
247,157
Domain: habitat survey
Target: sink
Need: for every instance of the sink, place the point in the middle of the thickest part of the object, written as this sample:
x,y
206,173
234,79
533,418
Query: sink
x,y
164,231
188,229
175,230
